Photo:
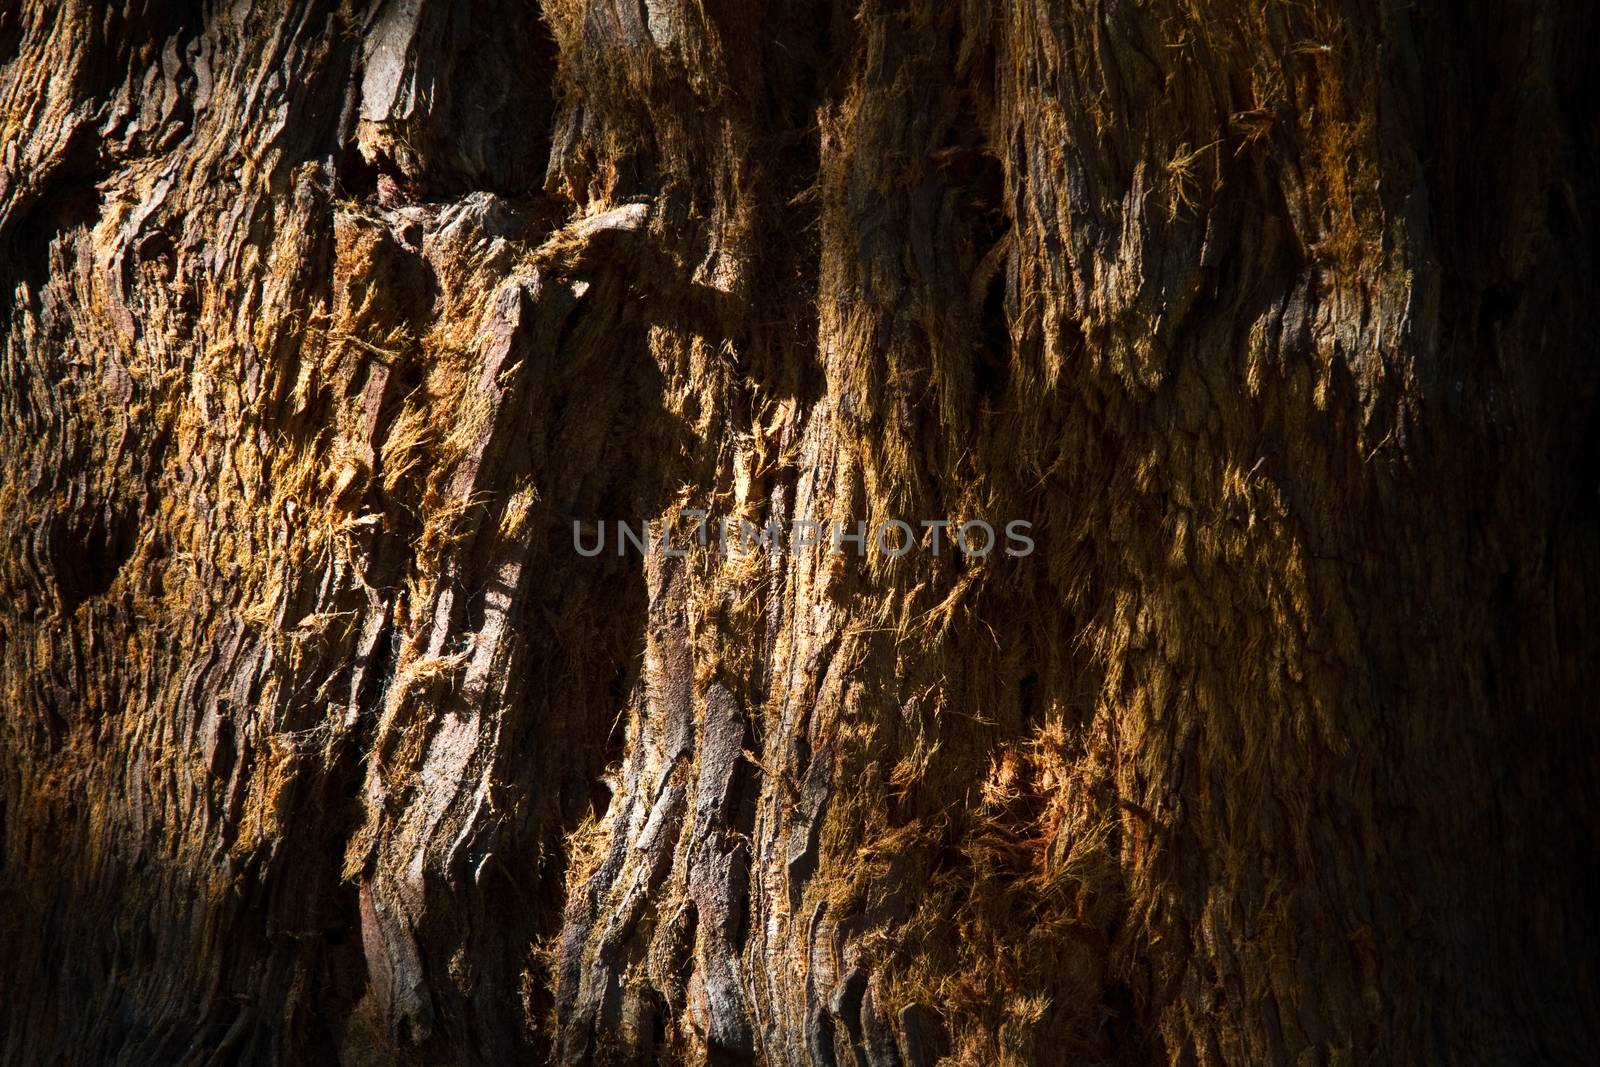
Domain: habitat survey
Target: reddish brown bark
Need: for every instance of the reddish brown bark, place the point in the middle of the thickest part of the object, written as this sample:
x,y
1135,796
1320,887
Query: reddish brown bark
x,y
323,324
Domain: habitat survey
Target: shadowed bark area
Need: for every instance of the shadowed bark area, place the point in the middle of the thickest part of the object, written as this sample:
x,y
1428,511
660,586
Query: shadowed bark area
x,y
324,323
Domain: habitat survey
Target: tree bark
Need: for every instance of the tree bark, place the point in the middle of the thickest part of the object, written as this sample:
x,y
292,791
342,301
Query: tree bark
x,y
324,323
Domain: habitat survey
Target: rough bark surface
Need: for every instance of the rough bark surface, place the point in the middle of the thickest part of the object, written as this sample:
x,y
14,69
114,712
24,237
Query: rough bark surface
x,y
323,323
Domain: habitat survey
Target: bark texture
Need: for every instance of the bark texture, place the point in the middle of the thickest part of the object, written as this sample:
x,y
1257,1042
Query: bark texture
x,y
322,324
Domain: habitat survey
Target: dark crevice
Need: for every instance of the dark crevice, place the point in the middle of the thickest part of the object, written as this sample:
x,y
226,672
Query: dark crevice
x,y
1028,702
87,561
68,200
994,348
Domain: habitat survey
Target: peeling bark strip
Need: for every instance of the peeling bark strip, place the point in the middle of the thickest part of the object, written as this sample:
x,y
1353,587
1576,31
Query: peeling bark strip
x,y
326,324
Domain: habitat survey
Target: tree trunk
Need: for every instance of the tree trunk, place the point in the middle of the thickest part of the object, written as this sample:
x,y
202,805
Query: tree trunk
x,y
323,326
